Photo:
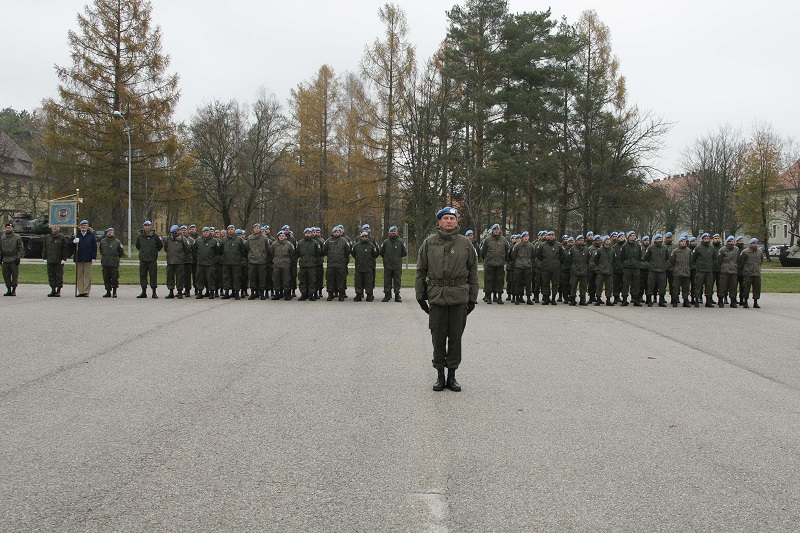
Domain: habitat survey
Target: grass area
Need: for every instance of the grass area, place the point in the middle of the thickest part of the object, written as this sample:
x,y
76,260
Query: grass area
x,y
788,282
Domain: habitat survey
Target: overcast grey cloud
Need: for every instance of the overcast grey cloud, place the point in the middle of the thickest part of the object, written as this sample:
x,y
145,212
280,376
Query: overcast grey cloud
x,y
697,64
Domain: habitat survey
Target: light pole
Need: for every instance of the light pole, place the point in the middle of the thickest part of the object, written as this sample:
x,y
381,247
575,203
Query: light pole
x,y
128,131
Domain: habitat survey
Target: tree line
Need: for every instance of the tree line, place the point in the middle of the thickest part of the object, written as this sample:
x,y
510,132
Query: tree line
x,y
518,118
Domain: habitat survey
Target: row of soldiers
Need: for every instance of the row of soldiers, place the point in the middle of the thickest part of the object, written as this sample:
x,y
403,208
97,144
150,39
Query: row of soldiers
x,y
579,270
227,263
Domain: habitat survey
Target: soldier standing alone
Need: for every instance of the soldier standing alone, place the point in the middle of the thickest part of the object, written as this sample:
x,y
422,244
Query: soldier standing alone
x,y
447,277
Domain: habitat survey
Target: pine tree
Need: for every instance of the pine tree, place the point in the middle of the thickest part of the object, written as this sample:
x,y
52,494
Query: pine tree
x,y
117,66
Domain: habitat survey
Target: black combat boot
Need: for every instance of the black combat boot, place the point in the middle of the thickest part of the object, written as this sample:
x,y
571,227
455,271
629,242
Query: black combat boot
x,y
358,297
709,302
397,297
107,294
583,302
553,300
154,295
662,302
14,291
236,295
287,294
8,291
58,292
342,296
52,292
225,295
609,303
452,384
114,292
508,296
598,302
720,302
755,304
545,300
144,293
649,301
171,295
637,302
253,295
330,297
745,304
180,295
303,297
572,302
370,297
624,301
313,297
529,301
733,303
387,296
198,296
440,381
294,293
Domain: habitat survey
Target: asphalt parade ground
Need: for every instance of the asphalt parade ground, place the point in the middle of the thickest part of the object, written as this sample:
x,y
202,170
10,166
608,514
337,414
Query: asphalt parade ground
x,y
188,415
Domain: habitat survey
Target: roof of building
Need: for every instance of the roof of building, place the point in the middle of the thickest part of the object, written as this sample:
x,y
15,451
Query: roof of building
x,y
13,159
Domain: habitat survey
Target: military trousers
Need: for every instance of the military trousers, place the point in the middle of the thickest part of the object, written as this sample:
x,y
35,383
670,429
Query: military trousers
x,y
205,278
258,277
148,268
565,283
231,277
280,278
110,277
680,284
550,279
320,277
727,287
630,282
656,283
10,274
751,283
578,284
703,280
607,281
55,275
522,278
392,280
592,278
447,323
617,284
511,284
364,282
493,278
337,279
175,276
308,280
83,277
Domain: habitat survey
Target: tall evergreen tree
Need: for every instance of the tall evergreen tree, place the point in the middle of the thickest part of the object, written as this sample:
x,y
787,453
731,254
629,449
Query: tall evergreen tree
x,y
117,66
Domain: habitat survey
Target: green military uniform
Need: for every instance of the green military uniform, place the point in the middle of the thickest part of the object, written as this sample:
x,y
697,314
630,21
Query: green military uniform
x,y
727,258
364,253
110,253
605,260
148,244
282,252
233,248
578,261
11,252
680,263
309,252
703,262
55,250
393,250
750,260
258,251
207,249
447,277
177,249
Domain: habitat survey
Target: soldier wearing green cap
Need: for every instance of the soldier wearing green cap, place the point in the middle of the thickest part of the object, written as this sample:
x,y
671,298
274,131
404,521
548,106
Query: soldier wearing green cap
x,y
110,253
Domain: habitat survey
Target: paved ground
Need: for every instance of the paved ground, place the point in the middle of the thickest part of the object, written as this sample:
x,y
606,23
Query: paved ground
x,y
142,415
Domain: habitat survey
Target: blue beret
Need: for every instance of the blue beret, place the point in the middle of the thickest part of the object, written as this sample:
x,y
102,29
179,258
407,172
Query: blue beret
x,y
364,234
614,234
394,228
174,228
109,229
658,236
239,232
590,233
281,232
335,229
682,238
729,239
739,238
192,226
469,232
542,232
148,223
524,233
230,226
579,237
84,221
631,232
494,227
184,227
256,225
646,238
446,211
551,232
265,227
606,238
597,237
570,240
715,235
365,226
753,241
206,228
285,226
692,238
704,235
669,234
564,237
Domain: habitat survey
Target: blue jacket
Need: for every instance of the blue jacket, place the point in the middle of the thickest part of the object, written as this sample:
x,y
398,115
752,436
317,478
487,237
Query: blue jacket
x,y
87,247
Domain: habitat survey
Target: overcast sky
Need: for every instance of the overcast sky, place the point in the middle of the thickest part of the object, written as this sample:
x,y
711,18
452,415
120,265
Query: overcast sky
x,y
699,64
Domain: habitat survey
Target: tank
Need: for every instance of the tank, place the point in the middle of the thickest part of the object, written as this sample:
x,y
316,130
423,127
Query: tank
x,y
32,231
787,261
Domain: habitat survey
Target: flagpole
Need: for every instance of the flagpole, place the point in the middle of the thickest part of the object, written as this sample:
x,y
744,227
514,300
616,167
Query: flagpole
x,y
75,233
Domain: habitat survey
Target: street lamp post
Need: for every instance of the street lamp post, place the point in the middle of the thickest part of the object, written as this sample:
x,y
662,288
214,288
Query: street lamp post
x,y
128,131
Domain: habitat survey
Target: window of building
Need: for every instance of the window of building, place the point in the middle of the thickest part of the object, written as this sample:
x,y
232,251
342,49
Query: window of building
x,y
786,231
774,230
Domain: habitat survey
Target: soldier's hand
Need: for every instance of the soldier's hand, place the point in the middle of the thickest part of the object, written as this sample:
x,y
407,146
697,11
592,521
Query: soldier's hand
x,y
470,307
423,304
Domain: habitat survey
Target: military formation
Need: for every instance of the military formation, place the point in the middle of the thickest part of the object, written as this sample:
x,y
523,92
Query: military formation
x,y
224,263
622,268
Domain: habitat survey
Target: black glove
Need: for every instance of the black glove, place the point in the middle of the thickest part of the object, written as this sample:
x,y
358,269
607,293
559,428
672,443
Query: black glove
x,y
17,262
423,304
470,307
